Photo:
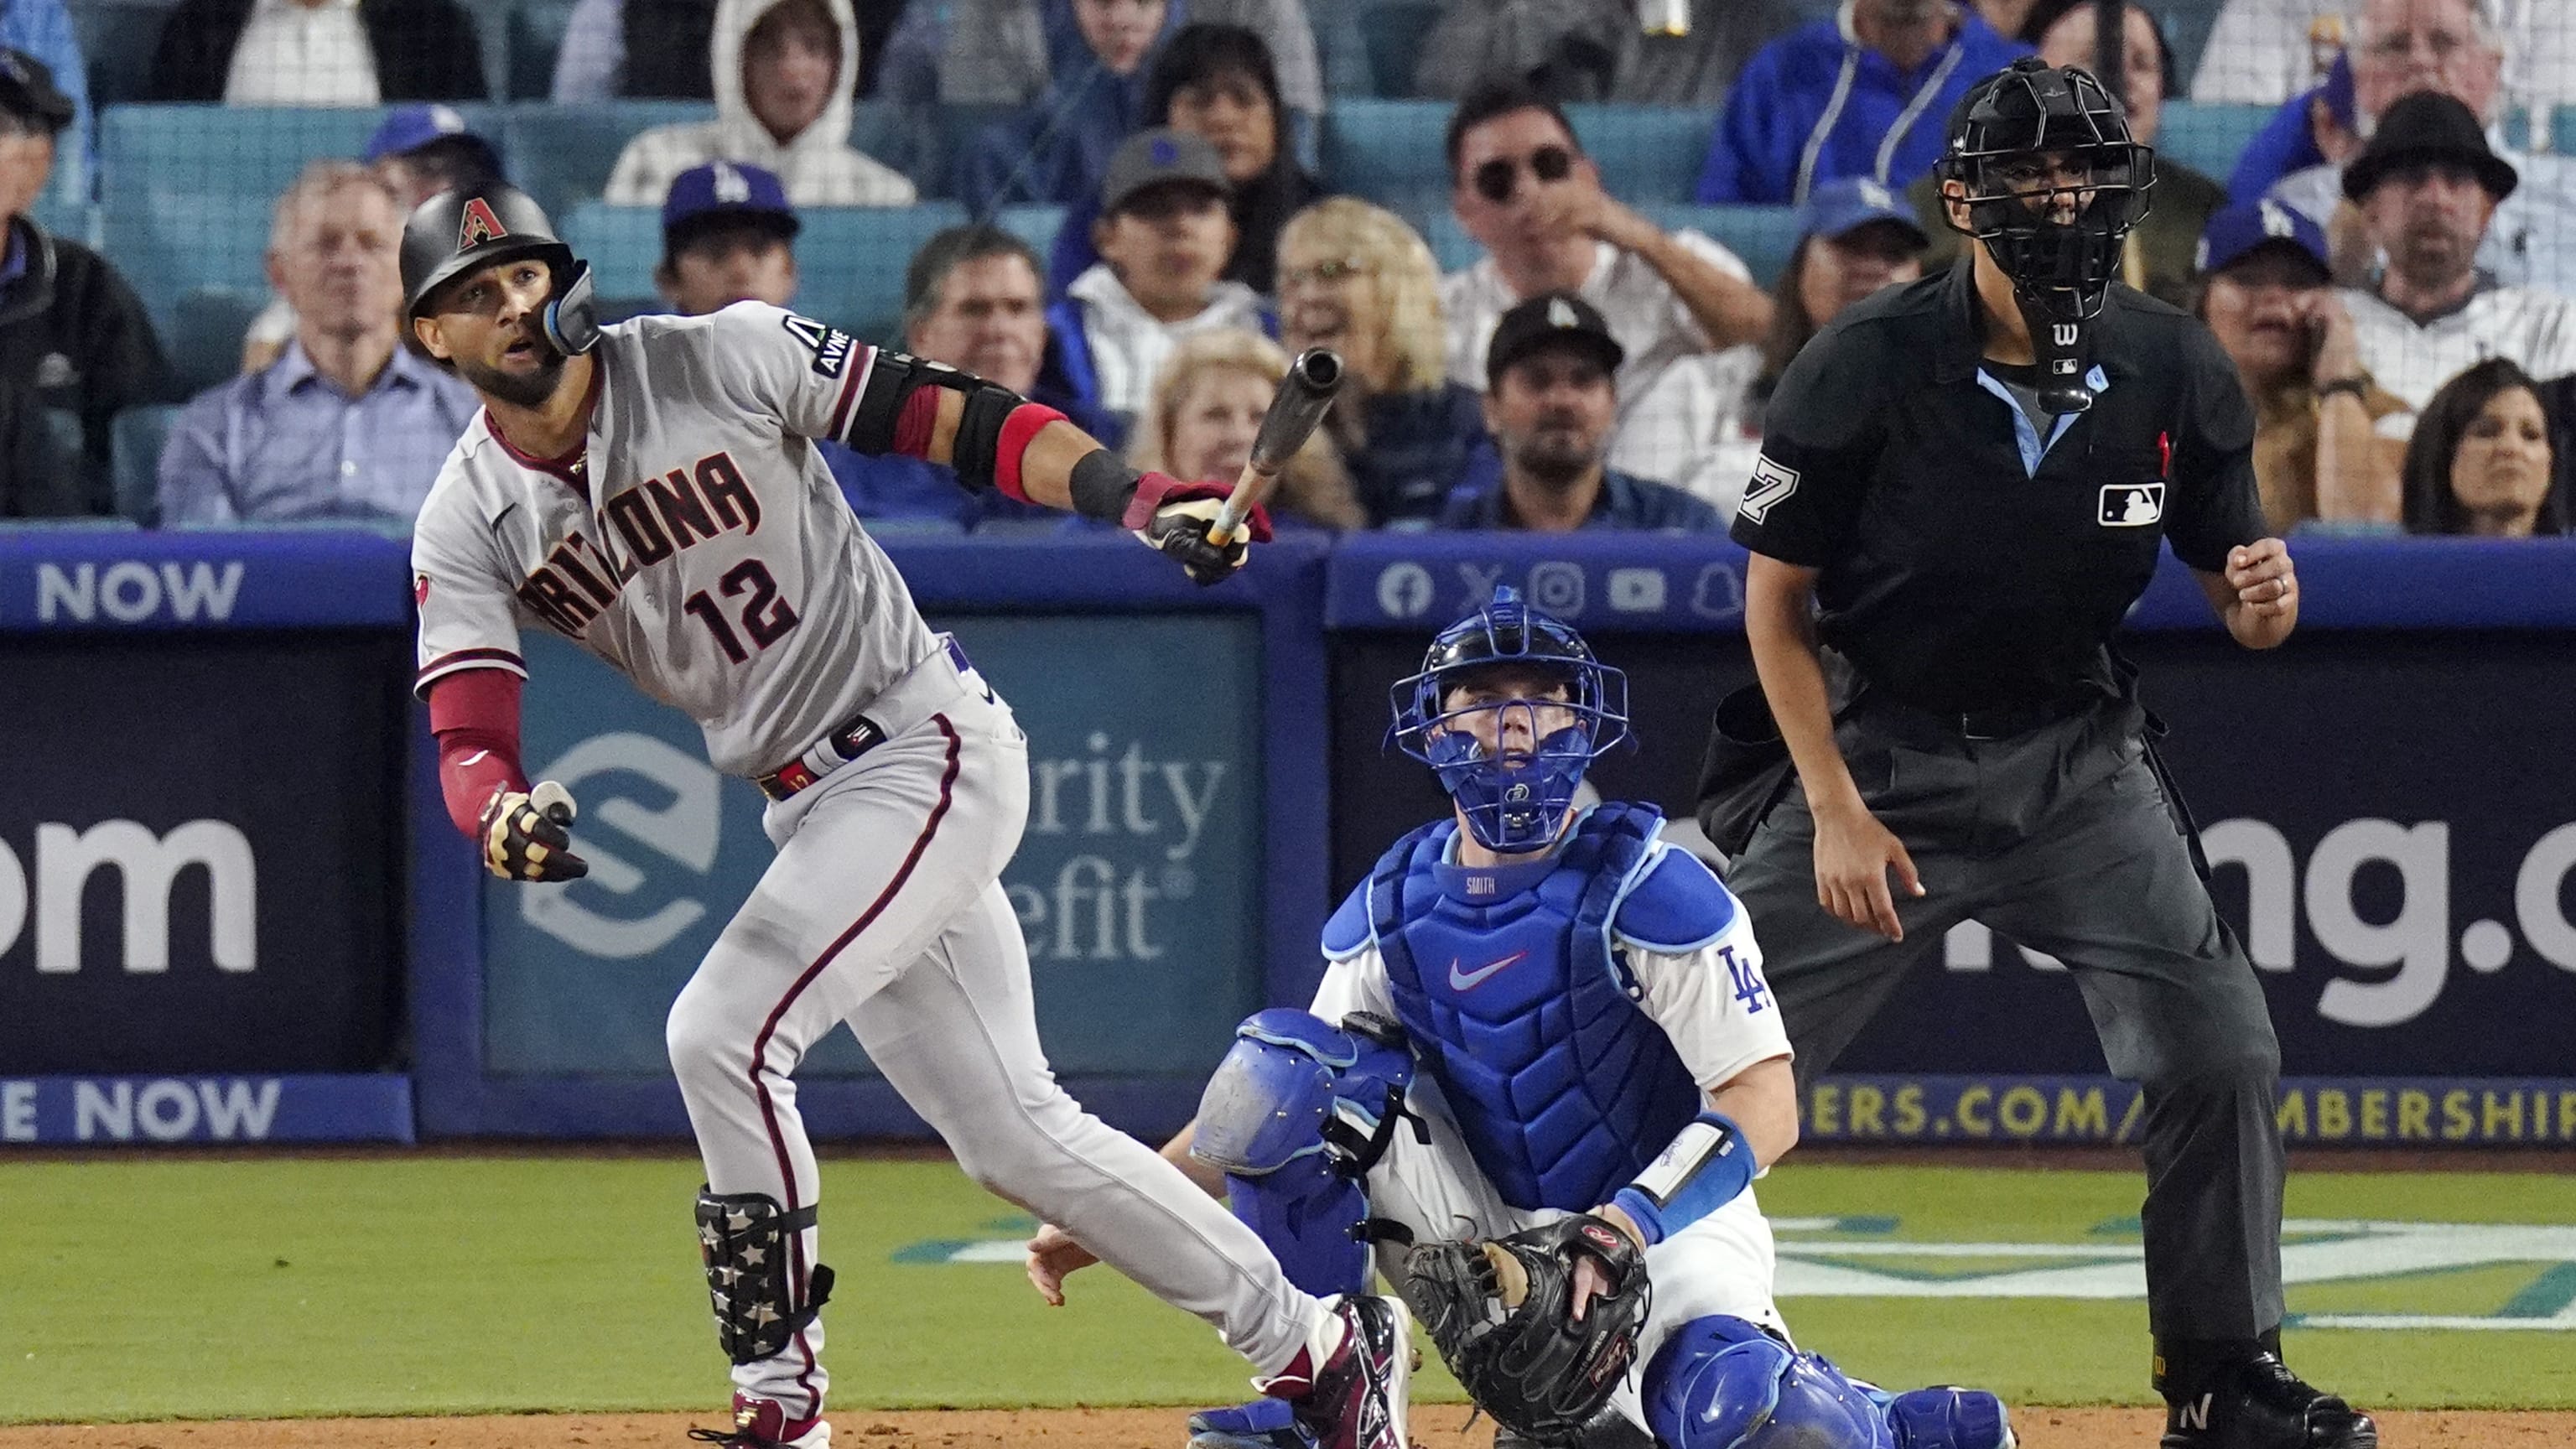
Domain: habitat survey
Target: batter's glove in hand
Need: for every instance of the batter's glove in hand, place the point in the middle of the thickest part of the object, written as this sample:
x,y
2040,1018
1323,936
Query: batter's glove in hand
x,y
1175,517
1501,1313
528,836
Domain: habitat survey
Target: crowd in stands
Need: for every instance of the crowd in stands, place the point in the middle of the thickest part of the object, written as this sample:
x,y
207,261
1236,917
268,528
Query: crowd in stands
x,y
2390,260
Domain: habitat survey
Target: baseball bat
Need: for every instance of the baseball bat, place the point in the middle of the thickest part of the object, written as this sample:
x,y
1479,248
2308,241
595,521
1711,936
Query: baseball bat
x,y
552,801
1303,395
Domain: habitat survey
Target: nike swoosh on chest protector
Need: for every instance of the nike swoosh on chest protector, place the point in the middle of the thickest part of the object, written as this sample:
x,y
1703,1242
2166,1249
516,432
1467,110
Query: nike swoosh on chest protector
x,y
1467,980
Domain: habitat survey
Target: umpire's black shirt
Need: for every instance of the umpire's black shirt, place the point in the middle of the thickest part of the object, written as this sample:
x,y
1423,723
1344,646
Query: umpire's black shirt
x,y
1969,560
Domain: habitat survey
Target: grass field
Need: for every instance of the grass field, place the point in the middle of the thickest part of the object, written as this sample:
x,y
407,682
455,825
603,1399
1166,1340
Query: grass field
x,y
187,1288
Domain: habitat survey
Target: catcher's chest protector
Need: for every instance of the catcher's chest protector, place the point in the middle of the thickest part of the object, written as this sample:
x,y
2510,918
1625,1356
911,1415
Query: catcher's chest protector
x,y
1507,985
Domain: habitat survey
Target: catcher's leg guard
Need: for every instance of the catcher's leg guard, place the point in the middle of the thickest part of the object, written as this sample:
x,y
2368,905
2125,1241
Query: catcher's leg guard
x,y
743,1238
1721,1383
1297,1114
1948,1418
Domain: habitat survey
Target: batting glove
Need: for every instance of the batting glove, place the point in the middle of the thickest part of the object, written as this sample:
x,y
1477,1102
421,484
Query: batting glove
x,y
1175,517
528,835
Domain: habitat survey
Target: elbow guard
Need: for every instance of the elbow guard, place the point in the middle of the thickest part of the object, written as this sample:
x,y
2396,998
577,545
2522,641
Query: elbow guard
x,y
1708,1165
996,425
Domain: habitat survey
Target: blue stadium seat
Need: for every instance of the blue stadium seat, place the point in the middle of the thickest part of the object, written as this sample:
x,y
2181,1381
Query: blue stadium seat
x,y
535,34
562,155
136,439
2208,139
850,260
1762,236
117,38
1393,151
2563,131
1392,31
1036,225
1647,153
206,329
72,220
188,150
168,243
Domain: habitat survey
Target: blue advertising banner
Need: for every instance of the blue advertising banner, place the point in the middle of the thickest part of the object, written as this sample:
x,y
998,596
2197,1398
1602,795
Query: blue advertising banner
x,y
2354,1111
122,579
161,1111
1137,883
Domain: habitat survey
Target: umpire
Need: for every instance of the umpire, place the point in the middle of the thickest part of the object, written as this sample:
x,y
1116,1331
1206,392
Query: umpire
x,y
1964,484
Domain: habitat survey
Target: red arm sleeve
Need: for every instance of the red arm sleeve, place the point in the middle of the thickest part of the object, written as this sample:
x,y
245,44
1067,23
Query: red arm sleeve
x,y
475,715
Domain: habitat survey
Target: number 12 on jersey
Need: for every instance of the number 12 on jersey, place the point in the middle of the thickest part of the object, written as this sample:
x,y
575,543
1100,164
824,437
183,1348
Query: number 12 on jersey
x,y
765,616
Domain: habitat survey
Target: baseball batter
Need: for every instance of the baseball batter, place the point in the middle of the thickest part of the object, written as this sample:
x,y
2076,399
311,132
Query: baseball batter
x,y
650,491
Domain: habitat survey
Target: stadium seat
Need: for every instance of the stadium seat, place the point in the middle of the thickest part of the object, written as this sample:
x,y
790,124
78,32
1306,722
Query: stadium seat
x,y
1036,225
72,220
2208,139
1385,150
936,170
168,243
850,260
187,150
1647,153
535,34
117,38
136,438
2563,131
206,329
562,155
1392,32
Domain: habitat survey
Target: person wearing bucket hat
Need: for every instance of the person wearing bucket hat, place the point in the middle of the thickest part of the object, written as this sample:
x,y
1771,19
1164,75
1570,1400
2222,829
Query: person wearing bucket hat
x,y
73,337
2428,186
2453,48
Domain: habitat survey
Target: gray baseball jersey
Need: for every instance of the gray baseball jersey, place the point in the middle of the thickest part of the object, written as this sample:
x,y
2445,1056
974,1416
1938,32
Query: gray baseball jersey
x,y
697,542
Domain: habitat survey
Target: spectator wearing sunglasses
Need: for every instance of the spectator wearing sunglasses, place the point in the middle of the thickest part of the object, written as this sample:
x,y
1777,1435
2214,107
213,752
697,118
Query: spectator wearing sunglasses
x,y
1862,93
1522,187
1164,237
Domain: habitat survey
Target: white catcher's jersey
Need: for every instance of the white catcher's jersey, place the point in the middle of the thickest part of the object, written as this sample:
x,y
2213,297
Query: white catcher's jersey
x,y
1712,1002
702,547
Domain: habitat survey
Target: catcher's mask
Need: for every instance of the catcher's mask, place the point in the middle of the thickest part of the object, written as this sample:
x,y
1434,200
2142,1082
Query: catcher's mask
x,y
457,233
1515,799
2053,186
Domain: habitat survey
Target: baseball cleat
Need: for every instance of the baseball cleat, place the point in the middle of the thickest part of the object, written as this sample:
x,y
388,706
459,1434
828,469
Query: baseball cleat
x,y
1356,1398
763,1424
2257,1403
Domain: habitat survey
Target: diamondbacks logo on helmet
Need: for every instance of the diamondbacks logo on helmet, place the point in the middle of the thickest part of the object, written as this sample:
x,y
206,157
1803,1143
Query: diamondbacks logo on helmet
x,y
478,225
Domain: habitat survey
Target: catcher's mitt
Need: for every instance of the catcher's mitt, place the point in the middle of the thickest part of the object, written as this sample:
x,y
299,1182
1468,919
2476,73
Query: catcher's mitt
x,y
1500,1312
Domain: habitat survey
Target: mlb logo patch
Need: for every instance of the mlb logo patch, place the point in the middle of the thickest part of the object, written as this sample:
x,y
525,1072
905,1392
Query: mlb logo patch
x,y
2131,505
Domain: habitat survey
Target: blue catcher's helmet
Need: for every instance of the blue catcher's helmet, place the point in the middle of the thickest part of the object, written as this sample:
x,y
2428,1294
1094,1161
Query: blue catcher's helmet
x,y
1515,803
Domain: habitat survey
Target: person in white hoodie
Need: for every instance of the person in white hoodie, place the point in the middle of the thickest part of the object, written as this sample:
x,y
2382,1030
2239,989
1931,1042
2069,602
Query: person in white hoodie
x,y
784,74
1164,237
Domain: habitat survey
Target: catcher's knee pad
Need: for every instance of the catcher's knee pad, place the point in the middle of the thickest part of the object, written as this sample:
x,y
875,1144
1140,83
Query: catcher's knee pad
x,y
743,1238
1947,1418
1721,1383
1296,1115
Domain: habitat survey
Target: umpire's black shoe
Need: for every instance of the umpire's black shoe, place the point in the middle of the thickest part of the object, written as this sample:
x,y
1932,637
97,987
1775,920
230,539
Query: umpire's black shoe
x,y
2257,1403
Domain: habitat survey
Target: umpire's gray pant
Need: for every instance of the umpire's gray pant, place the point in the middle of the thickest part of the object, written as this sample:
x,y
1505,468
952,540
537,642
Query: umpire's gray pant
x,y
2063,840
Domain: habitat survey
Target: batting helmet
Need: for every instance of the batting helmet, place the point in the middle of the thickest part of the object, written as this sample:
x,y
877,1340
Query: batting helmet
x,y
457,232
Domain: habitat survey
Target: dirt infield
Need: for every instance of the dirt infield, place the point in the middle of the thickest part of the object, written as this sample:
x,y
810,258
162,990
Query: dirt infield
x,y
1436,1426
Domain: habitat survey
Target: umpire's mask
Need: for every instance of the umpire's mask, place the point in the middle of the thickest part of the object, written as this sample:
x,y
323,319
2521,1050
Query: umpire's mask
x,y
2053,186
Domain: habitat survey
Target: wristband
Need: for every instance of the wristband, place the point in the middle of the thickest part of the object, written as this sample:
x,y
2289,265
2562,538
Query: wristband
x,y
1708,1165
1101,485
1019,429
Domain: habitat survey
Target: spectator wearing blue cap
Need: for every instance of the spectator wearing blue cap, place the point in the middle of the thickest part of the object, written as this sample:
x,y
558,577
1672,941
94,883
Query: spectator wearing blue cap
x,y
2269,298
419,151
728,235
74,342
1854,239
1862,93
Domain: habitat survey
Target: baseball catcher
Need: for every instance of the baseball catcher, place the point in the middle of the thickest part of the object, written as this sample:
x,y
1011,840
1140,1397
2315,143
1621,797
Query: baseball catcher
x,y
1538,1080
